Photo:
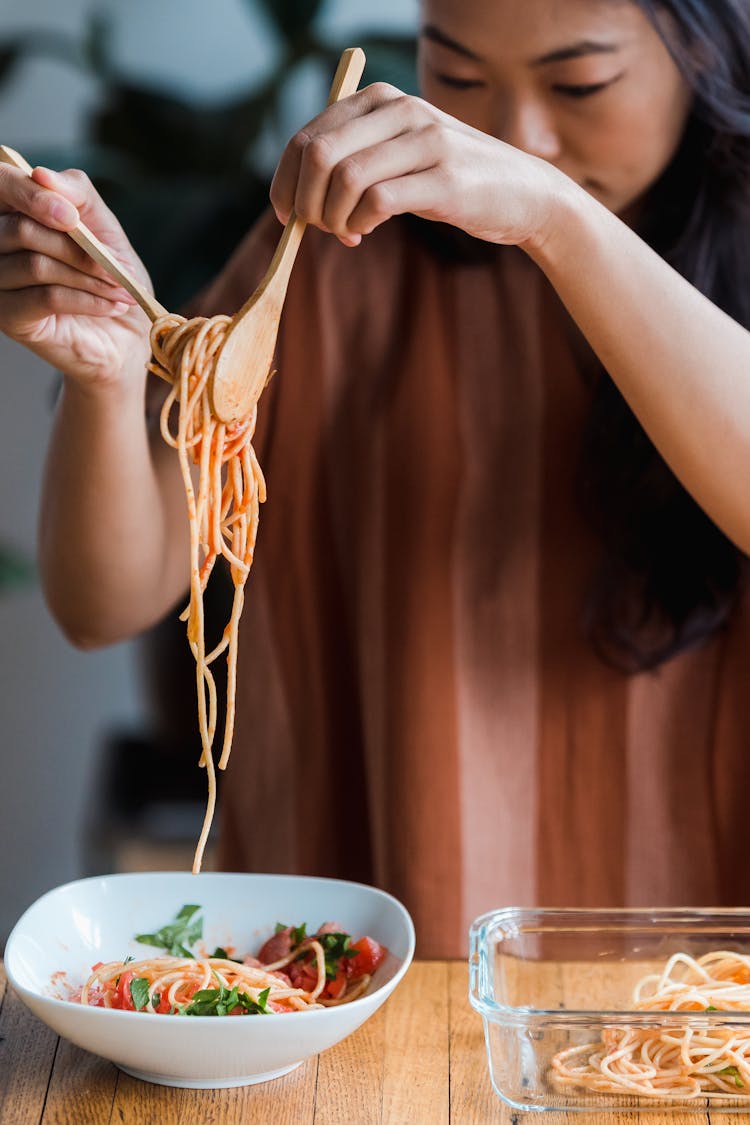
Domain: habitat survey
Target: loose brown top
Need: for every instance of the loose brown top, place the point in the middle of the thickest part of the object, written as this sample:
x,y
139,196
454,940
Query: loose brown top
x,y
417,705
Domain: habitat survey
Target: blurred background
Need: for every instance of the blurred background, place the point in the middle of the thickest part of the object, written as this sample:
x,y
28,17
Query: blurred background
x,y
178,110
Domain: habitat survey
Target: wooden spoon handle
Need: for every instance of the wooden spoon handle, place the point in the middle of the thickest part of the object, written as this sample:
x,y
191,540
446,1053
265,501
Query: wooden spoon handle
x,y
345,82
96,249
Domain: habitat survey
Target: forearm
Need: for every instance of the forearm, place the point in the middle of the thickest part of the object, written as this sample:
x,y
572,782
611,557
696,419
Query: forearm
x,y
113,556
682,364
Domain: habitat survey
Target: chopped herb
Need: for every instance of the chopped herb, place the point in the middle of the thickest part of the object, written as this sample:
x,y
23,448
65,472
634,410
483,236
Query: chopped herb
x,y
223,955
156,1000
176,936
299,933
732,1072
139,993
335,946
128,959
711,1008
257,1007
222,1000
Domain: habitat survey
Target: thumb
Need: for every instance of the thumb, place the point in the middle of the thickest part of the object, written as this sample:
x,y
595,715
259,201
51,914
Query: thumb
x,y
76,187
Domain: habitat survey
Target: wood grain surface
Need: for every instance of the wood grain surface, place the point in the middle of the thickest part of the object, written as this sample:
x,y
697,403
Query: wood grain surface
x,y
420,1059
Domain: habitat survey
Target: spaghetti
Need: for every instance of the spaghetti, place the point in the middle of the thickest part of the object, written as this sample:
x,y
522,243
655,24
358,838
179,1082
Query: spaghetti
x,y
293,972
172,983
702,1060
222,509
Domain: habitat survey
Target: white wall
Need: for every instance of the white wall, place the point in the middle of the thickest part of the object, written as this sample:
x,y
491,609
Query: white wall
x,y
56,703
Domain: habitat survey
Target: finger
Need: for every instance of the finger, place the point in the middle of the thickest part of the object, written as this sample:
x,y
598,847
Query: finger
x,y
324,153
76,187
23,309
19,232
26,269
422,194
19,192
352,177
334,133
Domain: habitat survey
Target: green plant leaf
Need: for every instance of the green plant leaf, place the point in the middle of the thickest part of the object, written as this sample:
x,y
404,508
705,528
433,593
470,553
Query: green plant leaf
x,y
15,569
96,47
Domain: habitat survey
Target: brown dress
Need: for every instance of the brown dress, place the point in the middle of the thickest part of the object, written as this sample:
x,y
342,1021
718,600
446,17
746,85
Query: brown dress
x,y
417,705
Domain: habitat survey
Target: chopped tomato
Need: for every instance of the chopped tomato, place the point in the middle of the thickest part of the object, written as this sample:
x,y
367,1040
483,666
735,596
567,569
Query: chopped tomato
x,y
369,954
163,1007
122,998
303,974
334,988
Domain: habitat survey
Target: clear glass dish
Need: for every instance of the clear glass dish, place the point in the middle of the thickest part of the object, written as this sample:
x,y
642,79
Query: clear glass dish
x,y
547,981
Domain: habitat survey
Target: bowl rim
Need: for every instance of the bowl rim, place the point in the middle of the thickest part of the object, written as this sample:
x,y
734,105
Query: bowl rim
x,y
360,1001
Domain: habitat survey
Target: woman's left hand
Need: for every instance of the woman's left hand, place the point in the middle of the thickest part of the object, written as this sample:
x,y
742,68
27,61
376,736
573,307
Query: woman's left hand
x,y
381,153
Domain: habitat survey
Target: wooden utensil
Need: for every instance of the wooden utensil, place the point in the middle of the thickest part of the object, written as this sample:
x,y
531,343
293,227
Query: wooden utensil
x,y
245,358
96,249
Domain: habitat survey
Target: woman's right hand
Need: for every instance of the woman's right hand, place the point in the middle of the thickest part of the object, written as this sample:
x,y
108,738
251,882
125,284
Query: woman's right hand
x,y
54,298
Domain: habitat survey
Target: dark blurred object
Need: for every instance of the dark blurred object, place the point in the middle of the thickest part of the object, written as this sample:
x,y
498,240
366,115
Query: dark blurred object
x,y
145,809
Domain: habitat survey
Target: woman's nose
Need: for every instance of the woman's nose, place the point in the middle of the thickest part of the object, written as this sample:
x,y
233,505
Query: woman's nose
x,y
528,125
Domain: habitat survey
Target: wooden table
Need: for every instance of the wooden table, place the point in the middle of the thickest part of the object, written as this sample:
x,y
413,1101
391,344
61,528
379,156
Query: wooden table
x,y
418,1060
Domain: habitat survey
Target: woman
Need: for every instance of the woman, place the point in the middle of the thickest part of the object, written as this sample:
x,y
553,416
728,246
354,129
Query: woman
x,y
492,651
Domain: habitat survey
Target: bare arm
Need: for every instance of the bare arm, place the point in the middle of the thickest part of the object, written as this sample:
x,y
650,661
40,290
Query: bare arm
x,y
682,364
113,534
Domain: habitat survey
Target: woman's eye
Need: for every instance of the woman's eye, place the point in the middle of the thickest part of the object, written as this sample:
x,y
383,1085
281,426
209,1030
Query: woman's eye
x,y
457,83
580,91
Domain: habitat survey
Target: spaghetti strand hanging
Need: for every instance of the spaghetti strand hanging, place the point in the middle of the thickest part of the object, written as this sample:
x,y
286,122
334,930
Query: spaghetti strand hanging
x,y
223,510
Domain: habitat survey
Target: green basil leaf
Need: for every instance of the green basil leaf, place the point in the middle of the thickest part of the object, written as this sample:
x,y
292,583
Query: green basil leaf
x,y
139,993
177,935
335,946
257,1007
222,1001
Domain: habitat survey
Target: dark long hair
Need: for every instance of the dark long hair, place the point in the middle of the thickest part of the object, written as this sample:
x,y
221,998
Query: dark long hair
x,y
669,578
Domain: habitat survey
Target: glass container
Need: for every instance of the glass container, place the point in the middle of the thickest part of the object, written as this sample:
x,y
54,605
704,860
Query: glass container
x,y
552,981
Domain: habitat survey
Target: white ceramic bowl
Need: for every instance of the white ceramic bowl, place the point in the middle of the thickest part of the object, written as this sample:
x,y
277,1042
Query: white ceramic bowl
x,y
72,927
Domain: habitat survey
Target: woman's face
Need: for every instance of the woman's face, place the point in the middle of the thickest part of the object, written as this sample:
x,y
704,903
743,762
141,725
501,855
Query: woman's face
x,y
586,84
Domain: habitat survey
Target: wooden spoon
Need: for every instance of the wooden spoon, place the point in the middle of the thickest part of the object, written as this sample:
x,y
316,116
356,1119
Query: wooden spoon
x,y
96,249
244,361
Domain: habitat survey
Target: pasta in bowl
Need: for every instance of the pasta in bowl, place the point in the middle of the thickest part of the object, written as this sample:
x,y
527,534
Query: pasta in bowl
x,y
81,960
